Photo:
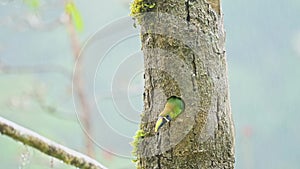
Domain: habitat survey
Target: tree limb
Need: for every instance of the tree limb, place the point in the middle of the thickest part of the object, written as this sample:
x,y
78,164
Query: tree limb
x,y
47,146
49,68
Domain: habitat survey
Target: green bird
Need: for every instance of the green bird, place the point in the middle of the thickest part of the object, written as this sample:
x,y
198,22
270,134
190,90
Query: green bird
x,y
173,108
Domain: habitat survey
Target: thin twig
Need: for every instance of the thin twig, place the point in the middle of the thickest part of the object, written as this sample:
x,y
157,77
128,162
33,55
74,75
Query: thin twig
x,y
79,88
9,69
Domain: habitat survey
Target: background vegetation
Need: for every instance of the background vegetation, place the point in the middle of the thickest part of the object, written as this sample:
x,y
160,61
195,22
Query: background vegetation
x,y
36,64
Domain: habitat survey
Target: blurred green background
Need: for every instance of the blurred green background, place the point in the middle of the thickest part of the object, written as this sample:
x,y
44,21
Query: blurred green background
x,y
36,66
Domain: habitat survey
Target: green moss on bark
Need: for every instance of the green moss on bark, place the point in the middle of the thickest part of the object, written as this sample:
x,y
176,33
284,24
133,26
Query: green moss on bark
x,y
140,6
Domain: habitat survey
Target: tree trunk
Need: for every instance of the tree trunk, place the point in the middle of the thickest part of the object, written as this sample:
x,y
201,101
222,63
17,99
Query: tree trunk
x,y
183,45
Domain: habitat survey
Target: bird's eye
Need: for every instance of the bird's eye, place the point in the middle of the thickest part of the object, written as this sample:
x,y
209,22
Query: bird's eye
x,y
168,117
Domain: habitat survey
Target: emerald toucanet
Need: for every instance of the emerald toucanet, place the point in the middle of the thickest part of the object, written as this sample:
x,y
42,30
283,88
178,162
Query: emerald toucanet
x,y
174,106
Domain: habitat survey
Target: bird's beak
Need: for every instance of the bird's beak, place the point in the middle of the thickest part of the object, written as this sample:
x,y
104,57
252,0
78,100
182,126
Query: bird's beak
x,y
160,122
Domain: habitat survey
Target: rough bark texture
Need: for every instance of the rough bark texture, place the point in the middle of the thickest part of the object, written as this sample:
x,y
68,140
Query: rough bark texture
x,y
183,44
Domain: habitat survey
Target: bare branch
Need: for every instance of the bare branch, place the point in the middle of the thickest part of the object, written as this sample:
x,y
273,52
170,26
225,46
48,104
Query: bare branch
x,y
5,68
79,86
47,146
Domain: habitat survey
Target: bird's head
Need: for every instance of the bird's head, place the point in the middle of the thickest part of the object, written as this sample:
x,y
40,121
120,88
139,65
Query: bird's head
x,y
161,121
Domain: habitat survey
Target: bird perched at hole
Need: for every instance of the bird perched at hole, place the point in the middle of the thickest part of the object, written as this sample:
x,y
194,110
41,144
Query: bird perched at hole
x,y
173,107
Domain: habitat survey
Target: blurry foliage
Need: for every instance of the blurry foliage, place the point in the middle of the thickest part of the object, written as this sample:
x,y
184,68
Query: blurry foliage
x,y
34,4
72,10
263,73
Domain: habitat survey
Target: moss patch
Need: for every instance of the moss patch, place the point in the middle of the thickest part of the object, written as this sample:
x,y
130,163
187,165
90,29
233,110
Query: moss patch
x,y
140,6
139,134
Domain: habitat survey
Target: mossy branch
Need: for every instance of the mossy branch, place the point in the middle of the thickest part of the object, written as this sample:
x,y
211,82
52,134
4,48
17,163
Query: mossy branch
x,y
47,146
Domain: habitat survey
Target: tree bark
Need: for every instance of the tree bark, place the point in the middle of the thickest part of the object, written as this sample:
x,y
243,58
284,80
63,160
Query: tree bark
x,y
184,53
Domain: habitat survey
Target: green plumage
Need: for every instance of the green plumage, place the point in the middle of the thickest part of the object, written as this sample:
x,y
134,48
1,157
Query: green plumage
x,y
173,107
